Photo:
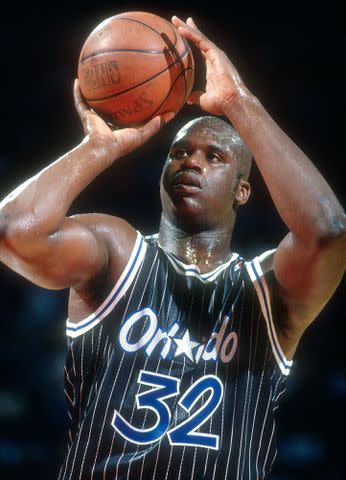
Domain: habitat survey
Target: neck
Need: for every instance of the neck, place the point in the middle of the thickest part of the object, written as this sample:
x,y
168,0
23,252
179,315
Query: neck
x,y
207,249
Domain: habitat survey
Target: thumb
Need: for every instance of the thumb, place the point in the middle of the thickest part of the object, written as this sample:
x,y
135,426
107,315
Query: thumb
x,y
149,129
129,139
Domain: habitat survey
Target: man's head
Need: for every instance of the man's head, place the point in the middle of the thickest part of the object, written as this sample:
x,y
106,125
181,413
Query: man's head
x,y
204,179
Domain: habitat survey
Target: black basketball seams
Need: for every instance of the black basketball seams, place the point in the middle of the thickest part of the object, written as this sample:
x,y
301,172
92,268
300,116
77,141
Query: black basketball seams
x,y
169,92
103,52
148,26
144,81
150,52
174,32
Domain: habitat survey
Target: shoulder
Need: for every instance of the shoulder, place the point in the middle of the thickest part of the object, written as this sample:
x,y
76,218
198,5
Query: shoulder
x,y
116,233
112,229
120,240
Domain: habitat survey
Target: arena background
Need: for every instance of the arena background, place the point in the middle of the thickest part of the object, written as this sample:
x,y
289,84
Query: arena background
x,y
290,54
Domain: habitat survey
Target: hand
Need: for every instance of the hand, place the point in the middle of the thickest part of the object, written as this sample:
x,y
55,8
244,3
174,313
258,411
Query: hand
x,y
121,141
223,83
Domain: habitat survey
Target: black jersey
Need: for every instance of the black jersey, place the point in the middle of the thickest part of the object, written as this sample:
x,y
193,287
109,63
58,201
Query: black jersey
x,y
177,375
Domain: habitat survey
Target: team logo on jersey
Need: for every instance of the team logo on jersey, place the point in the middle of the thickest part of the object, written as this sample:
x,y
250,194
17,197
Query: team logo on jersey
x,y
141,331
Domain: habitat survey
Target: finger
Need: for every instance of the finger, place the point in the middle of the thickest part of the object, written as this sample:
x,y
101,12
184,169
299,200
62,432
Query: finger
x,y
193,34
153,126
193,98
143,133
177,21
79,101
190,22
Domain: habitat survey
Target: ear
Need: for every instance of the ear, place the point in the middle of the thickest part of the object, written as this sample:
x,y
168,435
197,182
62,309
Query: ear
x,y
243,192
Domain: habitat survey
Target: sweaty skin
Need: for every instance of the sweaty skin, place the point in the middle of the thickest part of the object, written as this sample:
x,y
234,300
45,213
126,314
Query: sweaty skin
x,y
204,182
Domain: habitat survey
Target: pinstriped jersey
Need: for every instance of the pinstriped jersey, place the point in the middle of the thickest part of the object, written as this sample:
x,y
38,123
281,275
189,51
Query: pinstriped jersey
x,y
177,375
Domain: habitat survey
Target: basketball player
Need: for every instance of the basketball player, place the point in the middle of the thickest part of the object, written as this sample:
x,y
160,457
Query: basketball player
x,y
178,347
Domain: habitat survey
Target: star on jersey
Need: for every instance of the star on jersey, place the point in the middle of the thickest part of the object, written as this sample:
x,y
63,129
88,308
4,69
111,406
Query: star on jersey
x,y
185,346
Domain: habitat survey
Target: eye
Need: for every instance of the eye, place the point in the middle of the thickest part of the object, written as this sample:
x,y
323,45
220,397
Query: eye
x,y
179,153
214,158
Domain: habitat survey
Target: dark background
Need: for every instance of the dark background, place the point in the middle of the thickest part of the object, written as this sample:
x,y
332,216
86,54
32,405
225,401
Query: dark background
x,y
290,54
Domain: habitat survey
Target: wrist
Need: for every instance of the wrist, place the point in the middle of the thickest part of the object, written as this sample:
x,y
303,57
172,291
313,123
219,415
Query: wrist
x,y
241,103
102,147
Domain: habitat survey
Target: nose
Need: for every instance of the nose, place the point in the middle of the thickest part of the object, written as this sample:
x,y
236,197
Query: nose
x,y
193,161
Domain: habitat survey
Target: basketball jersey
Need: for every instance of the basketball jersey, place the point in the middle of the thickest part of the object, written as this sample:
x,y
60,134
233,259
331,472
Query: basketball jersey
x,y
177,375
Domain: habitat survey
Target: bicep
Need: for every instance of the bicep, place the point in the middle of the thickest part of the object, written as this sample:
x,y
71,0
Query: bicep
x,y
63,259
308,275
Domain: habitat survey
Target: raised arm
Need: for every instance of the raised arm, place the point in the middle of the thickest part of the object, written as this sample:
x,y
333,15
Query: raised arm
x,y
37,240
310,261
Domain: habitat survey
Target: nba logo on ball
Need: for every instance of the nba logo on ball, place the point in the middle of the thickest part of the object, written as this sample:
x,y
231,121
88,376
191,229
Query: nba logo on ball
x,y
134,66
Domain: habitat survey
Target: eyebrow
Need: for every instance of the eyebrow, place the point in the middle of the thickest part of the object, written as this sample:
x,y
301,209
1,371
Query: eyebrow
x,y
217,148
211,146
180,143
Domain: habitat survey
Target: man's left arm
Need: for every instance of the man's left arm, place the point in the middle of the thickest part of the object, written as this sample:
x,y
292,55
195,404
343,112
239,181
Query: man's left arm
x,y
310,261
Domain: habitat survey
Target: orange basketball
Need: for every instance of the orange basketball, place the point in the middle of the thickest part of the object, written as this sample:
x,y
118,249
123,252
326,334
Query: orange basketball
x,y
134,66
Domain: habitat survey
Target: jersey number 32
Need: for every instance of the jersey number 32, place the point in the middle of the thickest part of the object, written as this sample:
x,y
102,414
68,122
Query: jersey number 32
x,y
184,433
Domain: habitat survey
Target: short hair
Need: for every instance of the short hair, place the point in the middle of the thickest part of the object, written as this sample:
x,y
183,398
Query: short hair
x,y
228,137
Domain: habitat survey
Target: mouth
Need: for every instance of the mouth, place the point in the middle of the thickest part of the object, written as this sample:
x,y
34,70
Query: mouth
x,y
186,182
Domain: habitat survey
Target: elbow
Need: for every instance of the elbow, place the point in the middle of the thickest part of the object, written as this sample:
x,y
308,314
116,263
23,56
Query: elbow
x,y
6,219
3,225
333,230
16,231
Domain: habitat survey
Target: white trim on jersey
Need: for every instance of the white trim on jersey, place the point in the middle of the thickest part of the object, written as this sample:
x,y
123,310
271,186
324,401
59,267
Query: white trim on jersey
x,y
257,277
126,278
194,271
191,270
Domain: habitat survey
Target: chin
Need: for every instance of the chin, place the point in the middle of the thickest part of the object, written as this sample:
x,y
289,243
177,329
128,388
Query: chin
x,y
185,212
190,219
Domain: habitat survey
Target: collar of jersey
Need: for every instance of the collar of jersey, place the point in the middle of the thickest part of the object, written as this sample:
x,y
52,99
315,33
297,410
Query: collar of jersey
x,y
193,270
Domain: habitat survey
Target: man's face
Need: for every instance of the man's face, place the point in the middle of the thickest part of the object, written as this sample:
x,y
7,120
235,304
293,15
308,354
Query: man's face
x,y
199,180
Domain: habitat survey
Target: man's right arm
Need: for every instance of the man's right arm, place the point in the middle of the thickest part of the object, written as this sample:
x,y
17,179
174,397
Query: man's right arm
x,y
37,240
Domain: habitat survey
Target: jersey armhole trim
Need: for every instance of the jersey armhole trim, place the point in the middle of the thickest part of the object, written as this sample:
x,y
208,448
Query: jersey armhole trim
x,y
257,277
118,291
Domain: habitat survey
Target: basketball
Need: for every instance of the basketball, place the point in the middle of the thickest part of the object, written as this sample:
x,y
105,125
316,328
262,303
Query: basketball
x,y
134,66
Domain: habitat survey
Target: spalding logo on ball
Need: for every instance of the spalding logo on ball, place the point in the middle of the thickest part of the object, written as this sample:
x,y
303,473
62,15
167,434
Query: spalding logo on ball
x,y
134,66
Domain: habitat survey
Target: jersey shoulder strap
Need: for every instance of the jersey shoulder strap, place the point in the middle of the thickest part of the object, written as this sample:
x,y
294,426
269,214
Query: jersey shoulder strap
x,y
257,276
121,286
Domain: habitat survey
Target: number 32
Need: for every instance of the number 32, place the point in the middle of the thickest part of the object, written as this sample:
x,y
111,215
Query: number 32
x,y
186,432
